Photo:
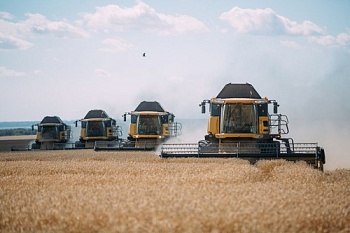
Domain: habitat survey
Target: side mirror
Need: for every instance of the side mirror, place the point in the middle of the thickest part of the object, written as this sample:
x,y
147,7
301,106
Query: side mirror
x,y
76,123
275,107
32,127
124,116
203,107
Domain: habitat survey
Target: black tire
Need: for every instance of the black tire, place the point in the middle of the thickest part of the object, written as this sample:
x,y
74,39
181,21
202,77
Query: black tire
x,y
205,146
36,146
79,144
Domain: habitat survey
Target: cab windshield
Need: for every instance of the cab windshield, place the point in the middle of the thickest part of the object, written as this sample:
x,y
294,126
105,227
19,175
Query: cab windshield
x,y
239,118
95,129
49,132
149,125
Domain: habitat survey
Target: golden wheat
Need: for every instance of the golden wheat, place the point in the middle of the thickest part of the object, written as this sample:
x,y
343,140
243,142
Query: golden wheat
x,y
87,191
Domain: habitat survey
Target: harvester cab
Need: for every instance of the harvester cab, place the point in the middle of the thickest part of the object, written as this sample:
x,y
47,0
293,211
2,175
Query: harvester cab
x,y
240,125
97,126
51,132
239,114
151,125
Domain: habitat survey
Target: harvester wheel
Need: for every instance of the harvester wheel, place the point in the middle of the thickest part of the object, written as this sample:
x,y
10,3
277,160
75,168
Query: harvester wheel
x,y
320,165
36,146
208,147
79,144
321,159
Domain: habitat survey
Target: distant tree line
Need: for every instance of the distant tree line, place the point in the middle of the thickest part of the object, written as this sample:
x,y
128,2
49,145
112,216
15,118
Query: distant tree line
x,y
17,132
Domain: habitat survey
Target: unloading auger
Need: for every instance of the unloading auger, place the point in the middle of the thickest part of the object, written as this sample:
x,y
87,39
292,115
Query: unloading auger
x,y
241,126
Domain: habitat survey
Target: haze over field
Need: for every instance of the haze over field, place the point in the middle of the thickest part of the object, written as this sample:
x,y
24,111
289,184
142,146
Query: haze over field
x,y
67,57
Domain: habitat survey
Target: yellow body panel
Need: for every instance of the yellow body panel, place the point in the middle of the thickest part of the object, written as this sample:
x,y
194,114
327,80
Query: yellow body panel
x,y
264,127
147,136
96,138
83,133
132,129
38,136
240,100
237,135
109,132
63,135
146,113
165,130
213,125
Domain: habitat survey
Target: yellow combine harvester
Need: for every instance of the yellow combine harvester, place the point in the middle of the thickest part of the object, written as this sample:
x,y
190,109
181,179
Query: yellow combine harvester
x,y
240,125
52,133
97,126
150,125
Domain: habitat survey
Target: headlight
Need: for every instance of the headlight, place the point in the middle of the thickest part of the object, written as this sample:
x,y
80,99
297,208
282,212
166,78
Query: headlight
x,y
262,101
217,101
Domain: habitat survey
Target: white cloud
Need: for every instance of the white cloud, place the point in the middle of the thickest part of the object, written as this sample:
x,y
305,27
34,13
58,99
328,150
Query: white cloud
x,y
342,39
5,15
180,24
39,24
266,21
114,45
291,44
5,72
56,59
140,17
16,35
38,72
305,28
12,36
101,73
13,42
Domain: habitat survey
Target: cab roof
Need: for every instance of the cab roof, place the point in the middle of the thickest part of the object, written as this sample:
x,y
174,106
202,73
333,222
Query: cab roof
x,y
231,90
96,113
51,120
149,106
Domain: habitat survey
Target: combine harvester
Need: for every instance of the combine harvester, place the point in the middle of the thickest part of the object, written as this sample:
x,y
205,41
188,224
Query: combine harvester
x,y
97,126
52,134
150,126
241,126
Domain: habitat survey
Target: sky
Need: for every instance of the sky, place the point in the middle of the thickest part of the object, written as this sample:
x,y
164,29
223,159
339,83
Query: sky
x,y
65,58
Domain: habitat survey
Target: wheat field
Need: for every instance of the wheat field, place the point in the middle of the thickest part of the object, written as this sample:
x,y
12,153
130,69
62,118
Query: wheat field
x,y
88,191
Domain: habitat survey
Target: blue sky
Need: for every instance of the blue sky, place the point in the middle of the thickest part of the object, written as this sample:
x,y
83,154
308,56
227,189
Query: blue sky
x,y
67,57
